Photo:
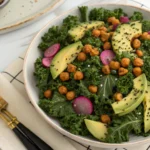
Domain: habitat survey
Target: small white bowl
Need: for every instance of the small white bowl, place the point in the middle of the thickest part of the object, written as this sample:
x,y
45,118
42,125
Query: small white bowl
x,y
33,53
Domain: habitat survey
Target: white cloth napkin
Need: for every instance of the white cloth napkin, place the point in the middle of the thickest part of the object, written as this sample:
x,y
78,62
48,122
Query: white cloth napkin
x,y
13,91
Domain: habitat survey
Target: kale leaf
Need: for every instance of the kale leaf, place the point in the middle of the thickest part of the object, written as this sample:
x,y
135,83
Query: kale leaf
x,y
125,83
75,123
108,82
42,75
103,14
136,16
58,34
121,127
145,47
58,106
84,13
146,67
145,25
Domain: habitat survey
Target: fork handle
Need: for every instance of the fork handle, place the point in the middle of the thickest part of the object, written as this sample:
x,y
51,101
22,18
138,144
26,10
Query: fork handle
x,y
29,139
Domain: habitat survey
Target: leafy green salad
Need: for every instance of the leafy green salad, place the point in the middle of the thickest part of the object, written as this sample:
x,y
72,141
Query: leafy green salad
x,y
93,74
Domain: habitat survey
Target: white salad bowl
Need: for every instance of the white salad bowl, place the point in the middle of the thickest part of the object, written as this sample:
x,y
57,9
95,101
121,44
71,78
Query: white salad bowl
x,y
30,83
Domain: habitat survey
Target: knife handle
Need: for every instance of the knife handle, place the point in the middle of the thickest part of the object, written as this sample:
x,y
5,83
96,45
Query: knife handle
x,y
29,139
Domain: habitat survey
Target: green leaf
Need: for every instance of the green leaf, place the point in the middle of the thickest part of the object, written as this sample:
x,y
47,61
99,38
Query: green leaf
x,y
58,106
106,86
121,127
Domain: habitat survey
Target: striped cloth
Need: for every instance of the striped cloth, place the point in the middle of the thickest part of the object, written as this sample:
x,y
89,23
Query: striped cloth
x,y
13,77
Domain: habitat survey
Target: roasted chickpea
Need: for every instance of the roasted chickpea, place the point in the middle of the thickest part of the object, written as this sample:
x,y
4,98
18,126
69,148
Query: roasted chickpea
x,y
111,19
103,29
94,52
48,93
139,53
148,37
115,65
62,90
104,36
110,27
92,88
105,119
87,48
122,71
118,96
138,62
64,76
78,75
81,56
136,43
96,32
70,95
137,71
115,22
106,69
107,46
71,68
125,62
144,35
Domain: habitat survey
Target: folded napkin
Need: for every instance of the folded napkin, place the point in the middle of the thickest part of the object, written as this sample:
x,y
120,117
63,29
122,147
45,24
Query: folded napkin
x,y
13,91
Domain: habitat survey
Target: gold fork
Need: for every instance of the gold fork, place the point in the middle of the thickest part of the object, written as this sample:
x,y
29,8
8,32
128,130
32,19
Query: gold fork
x,y
27,137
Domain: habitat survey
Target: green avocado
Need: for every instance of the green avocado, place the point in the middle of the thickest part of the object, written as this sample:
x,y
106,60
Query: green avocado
x,y
64,57
133,99
146,104
78,31
121,40
97,129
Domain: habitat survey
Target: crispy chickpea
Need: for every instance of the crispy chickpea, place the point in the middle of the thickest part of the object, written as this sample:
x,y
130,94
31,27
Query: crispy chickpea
x,y
48,93
107,46
122,71
139,53
136,43
138,62
104,36
115,65
110,27
148,37
62,90
96,32
137,71
81,56
111,19
87,48
70,95
92,88
118,96
94,52
106,69
144,35
64,76
125,62
71,68
115,21
78,75
103,28
105,119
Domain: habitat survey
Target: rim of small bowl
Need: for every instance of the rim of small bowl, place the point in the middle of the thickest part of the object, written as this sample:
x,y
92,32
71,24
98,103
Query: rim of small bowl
x,y
59,128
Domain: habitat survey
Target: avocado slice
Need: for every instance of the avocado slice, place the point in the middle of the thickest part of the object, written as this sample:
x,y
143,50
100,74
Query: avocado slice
x,y
121,40
133,99
64,57
97,129
146,104
78,31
